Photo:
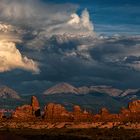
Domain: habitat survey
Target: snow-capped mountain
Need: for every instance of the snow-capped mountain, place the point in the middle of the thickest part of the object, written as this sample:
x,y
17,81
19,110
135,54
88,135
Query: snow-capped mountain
x,y
61,88
8,93
108,90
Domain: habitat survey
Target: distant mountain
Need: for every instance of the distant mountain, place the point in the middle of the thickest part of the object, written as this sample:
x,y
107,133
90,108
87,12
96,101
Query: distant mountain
x,y
131,94
8,93
101,89
67,88
61,88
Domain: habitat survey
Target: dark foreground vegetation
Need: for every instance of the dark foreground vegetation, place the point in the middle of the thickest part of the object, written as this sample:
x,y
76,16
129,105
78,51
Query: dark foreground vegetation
x,y
70,134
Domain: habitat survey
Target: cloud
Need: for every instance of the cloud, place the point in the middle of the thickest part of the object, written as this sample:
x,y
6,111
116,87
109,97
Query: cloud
x,y
66,46
28,10
84,21
11,58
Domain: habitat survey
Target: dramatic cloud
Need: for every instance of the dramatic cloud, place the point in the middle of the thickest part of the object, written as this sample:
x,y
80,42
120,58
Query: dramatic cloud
x,y
61,38
41,21
11,58
84,21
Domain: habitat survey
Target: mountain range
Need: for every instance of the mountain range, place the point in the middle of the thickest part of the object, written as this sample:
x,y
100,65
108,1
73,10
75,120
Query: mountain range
x,y
92,98
108,90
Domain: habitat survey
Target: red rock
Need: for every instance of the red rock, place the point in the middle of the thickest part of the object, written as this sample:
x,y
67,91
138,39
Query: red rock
x,y
23,112
1,115
125,111
28,111
132,114
56,113
77,109
134,106
104,112
35,106
81,116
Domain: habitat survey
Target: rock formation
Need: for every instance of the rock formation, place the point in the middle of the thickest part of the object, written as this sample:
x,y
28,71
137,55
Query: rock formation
x,y
81,116
134,106
104,112
56,113
132,113
23,112
28,111
1,115
35,106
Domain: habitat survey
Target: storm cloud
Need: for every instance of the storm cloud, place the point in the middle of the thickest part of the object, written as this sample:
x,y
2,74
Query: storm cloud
x,y
59,44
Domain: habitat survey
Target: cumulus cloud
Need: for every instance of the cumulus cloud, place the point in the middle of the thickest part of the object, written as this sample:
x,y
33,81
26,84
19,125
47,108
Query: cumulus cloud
x,y
49,19
84,21
11,58
28,10
65,45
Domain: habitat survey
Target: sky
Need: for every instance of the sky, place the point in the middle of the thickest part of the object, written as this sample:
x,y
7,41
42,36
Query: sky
x,y
45,42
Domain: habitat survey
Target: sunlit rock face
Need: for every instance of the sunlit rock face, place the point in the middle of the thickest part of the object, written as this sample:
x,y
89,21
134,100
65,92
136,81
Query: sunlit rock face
x,y
56,113
132,113
134,106
1,115
23,112
104,112
81,116
28,111
35,106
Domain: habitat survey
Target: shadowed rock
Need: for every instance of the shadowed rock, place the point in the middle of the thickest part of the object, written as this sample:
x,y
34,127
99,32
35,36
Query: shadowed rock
x,y
35,106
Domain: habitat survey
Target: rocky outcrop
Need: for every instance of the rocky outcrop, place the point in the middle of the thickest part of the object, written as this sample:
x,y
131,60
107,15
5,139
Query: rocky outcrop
x,y
105,116
56,113
28,111
23,112
81,116
132,113
104,112
134,106
1,115
35,106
